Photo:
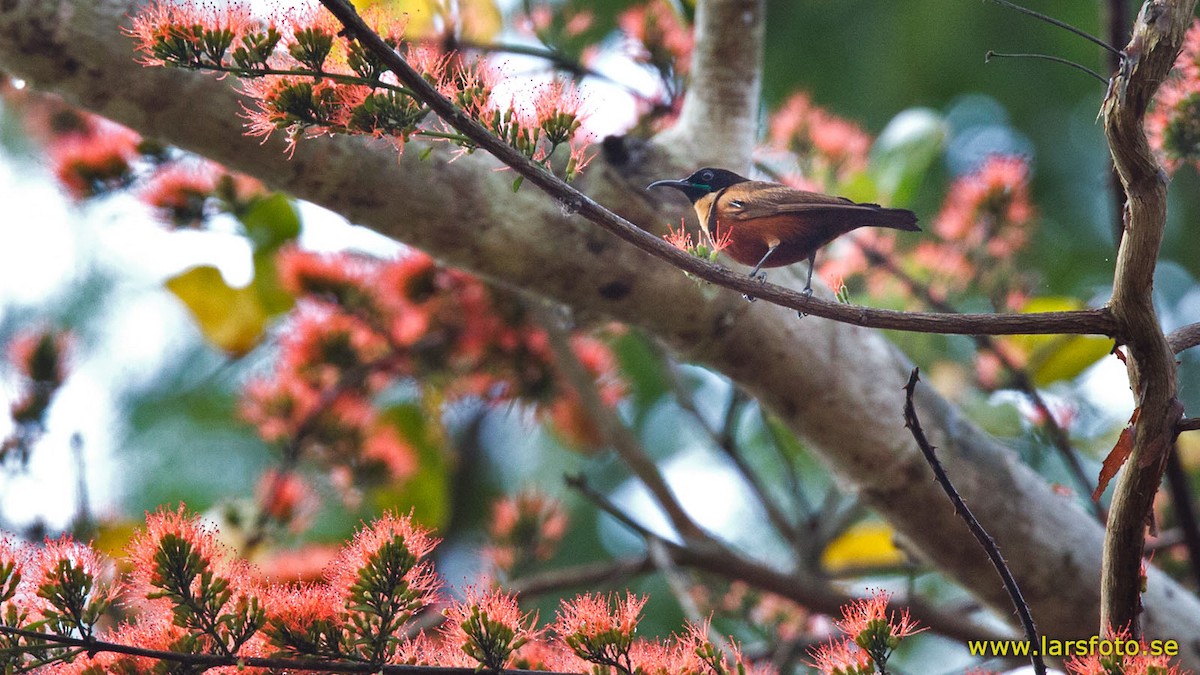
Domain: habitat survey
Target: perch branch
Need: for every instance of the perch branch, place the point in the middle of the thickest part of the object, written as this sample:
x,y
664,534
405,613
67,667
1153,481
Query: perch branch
x,y
574,201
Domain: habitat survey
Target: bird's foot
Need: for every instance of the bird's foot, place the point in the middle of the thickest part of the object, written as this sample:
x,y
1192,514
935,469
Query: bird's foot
x,y
807,293
761,277
749,298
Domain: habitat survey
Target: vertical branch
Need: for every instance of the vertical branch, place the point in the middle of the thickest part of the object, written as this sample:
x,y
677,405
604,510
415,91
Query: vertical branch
x,y
1185,511
719,121
1117,16
1157,39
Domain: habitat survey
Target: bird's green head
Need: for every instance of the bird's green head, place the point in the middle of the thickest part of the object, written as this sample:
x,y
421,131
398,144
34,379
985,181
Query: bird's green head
x,y
702,182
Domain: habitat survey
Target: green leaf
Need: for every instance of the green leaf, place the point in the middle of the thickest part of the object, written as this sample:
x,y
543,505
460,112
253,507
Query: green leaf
x,y
270,222
903,153
426,493
232,319
274,298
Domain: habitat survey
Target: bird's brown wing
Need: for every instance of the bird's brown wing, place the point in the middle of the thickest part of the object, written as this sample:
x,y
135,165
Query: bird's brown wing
x,y
759,199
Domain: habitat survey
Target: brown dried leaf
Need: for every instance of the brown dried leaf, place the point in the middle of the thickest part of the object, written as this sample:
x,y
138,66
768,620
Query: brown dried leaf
x,y
1116,457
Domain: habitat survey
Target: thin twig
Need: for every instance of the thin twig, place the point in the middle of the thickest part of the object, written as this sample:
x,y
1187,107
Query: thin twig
x,y
1073,322
1057,22
1045,57
580,484
723,439
585,575
1020,377
805,590
1185,510
981,535
612,429
278,664
679,585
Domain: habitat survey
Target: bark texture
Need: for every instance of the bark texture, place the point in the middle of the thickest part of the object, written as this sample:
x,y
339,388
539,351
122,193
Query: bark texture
x,y
836,385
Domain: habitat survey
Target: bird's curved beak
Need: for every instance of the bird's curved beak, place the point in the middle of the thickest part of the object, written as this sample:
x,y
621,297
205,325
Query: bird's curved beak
x,y
677,184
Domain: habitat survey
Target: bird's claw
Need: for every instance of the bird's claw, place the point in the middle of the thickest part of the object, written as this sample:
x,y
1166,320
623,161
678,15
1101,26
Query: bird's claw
x,y
749,298
807,293
761,277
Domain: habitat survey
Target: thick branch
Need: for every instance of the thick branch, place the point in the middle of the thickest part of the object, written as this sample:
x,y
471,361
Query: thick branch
x,y
718,125
572,200
1149,56
826,381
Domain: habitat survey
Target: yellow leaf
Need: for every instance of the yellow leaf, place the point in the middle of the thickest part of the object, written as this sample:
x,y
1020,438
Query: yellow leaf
x,y
232,319
477,20
1052,358
867,544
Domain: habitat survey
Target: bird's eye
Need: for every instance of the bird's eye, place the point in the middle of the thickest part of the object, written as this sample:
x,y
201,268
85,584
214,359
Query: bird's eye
x,y
707,175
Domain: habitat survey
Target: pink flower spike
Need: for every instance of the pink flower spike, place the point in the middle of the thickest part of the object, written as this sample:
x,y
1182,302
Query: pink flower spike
x,y
842,658
396,545
600,629
488,626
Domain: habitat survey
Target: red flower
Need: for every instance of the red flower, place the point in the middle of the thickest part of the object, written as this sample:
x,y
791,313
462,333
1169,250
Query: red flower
x,y
178,192
389,535
88,165
842,657
600,629
488,626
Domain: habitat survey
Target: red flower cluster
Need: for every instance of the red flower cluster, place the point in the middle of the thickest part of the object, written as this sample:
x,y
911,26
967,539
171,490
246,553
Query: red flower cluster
x,y
985,220
40,359
96,159
1173,123
188,595
872,636
525,529
1122,656
307,79
363,324
830,149
664,41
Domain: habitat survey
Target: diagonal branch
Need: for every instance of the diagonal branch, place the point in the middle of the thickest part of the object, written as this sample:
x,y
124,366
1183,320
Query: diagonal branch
x,y
820,379
913,423
574,201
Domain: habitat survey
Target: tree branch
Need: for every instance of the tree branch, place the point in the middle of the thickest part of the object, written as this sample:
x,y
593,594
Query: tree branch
x,y
613,430
820,379
574,201
1184,338
1157,39
913,424
718,125
206,661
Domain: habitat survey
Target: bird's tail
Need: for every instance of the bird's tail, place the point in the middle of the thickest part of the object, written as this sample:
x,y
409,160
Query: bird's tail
x,y
896,219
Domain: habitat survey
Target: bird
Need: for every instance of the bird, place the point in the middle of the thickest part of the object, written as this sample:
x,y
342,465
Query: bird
x,y
772,225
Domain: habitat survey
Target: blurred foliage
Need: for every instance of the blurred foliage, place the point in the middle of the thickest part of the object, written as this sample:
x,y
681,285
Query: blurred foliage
x,y
913,74
867,60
